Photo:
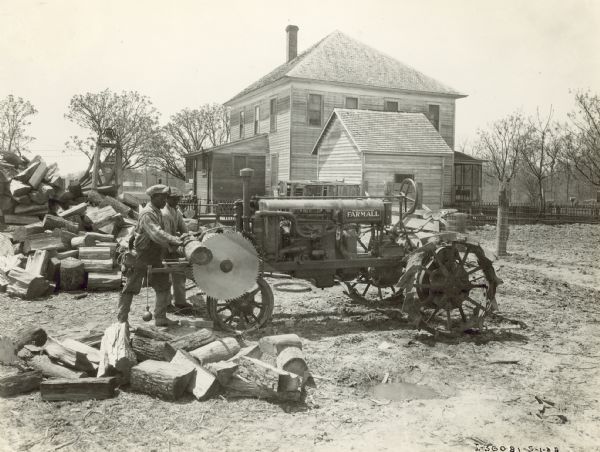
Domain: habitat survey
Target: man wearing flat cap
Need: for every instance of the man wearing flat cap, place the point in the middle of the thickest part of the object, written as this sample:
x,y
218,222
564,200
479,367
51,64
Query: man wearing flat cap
x,y
149,244
174,225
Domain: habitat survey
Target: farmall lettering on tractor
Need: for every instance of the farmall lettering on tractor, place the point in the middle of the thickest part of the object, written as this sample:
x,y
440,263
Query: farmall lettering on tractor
x,y
442,283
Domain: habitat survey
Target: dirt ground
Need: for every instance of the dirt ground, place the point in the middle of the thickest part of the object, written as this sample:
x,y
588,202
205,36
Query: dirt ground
x,y
551,283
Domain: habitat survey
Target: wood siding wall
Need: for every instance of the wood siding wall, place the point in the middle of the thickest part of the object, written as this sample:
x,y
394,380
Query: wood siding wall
x,y
228,186
380,168
338,158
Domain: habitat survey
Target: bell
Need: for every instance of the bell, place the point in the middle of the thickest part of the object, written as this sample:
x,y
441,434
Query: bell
x,y
147,316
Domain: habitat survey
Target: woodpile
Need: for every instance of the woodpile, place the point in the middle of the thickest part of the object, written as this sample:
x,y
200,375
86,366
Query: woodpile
x,y
154,362
44,221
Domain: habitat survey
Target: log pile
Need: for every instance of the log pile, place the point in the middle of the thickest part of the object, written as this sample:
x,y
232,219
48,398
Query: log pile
x,y
154,362
44,221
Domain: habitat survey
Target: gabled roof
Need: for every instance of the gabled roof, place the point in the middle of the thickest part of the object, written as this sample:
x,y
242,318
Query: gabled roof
x,y
339,58
382,131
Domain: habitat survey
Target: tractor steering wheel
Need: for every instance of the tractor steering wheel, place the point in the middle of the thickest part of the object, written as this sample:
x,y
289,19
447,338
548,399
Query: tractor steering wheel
x,y
409,195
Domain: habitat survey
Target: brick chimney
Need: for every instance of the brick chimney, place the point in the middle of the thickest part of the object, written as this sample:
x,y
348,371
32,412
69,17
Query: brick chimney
x,y
292,42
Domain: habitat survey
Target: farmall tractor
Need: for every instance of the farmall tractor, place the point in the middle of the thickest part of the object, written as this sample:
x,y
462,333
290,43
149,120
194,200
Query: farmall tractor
x,y
441,282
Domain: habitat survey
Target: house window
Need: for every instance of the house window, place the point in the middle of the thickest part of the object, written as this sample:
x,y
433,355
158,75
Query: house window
x,y
434,116
390,105
256,119
352,102
315,105
242,120
273,115
239,162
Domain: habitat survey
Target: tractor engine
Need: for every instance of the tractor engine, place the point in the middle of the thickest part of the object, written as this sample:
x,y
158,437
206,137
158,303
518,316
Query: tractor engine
x,y
311,230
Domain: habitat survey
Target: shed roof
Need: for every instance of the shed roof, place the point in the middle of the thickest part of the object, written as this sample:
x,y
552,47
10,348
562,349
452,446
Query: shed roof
x,y
381,131
243,146
342,59
461,157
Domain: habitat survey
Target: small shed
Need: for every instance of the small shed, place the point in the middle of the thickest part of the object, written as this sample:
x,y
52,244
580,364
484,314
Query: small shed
x,y
467,178
215,172
380,149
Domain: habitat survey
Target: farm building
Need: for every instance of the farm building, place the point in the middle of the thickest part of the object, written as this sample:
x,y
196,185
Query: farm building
x,y
291,104
378,149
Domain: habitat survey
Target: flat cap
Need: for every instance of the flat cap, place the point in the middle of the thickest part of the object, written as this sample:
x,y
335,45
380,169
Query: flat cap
x,y
175,193
157,189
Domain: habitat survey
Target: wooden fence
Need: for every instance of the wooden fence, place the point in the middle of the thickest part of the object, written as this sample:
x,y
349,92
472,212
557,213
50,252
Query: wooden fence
x,y
485,213
222,212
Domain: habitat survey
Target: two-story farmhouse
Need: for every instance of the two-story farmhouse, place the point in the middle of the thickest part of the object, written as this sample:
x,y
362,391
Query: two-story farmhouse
x,y
280,116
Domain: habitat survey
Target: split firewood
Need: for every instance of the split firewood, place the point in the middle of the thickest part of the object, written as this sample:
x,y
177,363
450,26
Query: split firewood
x,y
37,263
20,233
32,209
20,382
51,222
103,201
72,274
20,219
193,341
38,174
61,255
239,386
47,190
18,188
223,370
291,359
273,345
100,217
218,350
251,351
53,270
75,188
26,285
104,281
98,265
277,379
77,210
82,240
44,241
22,200
24,175
91,353
39,197
65,236
129,200
53,370
159,378
152,332
94,252
116,355
77,390
6,202
145,348
67,356
203,383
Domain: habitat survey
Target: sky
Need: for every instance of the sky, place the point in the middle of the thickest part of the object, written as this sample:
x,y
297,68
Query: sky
x,y
506,55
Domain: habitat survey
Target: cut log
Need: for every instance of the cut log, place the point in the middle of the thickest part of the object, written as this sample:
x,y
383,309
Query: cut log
x,y
78,390
152,332
276,379
20,219
104,281
145,348
52,222
94,252
23,200
193,341
72,274
203,384
100,217
75,188
38,175
196,253
26,285
53,270
65,236
37,263
162,379
98,237
82,240
18,188
77,210
273,345
92,354
291,359
26,174
39,197
29,335
43,241
6,204
47,190
223,370
57,182
112,247
13,159
52,370
64,254
129,200
239,386
67,356
32,209
218,350
112,226
20,382
103,201
117,356
98,265
20,233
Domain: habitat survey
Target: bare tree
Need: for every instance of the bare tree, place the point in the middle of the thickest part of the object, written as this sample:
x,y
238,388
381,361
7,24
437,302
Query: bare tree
x,y
584,150
502,145
14,119
190,130
131,116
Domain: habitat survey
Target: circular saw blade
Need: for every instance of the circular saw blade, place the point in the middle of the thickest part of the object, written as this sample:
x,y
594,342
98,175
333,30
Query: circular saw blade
x,y
233,269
